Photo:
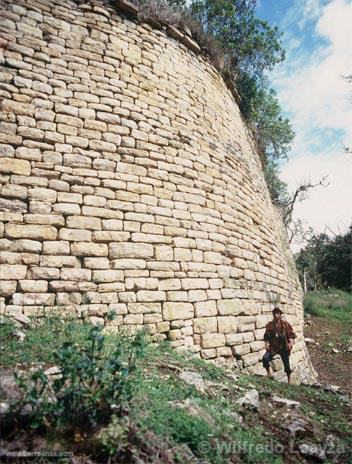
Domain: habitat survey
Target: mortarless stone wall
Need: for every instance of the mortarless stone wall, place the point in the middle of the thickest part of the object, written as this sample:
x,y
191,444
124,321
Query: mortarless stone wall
x,y
129,182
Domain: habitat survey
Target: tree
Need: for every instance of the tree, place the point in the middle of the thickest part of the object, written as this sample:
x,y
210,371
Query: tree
x,y
326,261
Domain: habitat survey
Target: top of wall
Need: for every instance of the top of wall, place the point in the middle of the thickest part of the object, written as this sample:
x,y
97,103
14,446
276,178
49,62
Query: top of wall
x,y
132,10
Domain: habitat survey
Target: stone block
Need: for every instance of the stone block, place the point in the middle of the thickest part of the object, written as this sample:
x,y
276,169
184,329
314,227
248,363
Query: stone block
x,y
33,286
150,295
212,340
15,166
229,307
144,308
227,324
13,272
104,276
76,274
36,232
96,263
174,310
130,250
89,249
205,324
206,308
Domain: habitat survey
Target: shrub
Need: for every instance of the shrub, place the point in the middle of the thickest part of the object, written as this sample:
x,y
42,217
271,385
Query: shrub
x,y
93,383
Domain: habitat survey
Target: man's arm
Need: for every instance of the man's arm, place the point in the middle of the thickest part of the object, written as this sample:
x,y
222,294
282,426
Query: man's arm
x,y
290,335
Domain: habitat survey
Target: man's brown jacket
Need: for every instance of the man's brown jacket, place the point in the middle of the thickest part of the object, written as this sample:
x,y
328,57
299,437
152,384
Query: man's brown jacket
x,y
285,332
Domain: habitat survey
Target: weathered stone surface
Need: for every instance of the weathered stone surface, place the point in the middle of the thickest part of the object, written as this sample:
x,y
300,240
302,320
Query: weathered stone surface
x,y
213,340
15,166
173,311
89,249
120,186
130,250
30,231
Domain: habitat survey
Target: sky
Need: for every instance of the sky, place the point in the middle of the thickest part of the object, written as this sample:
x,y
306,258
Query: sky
x,y
317,36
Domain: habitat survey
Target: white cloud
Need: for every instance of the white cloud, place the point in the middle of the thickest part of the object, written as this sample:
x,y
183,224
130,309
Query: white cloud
x,y
325,206
312,90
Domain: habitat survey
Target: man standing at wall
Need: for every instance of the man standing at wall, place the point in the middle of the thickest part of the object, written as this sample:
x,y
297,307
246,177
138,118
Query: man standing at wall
x,y
279,337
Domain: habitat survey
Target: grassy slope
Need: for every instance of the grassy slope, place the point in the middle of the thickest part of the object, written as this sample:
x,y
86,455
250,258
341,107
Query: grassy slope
x,y
162,427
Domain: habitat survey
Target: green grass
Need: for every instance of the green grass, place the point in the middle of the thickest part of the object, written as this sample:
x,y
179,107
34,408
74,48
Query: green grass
x,y
42,339
205,431
329,304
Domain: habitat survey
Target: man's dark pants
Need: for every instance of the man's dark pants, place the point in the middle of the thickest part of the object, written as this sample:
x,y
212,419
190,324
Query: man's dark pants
x,y
267,358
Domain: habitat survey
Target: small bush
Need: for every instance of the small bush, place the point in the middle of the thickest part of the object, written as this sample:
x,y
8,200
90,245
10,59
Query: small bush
x,y
94,382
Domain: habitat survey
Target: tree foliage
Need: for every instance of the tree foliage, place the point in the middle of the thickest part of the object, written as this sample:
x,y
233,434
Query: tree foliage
x,y
326,262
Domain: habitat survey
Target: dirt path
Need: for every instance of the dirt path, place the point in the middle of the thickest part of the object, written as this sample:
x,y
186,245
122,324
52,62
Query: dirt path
x,y
333,368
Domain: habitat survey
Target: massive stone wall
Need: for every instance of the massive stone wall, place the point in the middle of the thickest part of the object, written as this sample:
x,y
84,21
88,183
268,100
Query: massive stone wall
x,y
129,183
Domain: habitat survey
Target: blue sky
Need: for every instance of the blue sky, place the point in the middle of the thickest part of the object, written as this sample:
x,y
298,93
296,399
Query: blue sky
x,y
313,94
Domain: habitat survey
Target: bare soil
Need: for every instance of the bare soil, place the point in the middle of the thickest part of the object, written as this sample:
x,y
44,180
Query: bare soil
x,y
332,368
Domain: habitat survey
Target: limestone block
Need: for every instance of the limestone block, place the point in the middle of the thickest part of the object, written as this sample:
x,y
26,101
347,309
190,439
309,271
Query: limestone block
x,y
248,337
56,248
170,284
257,345
75,235
42,194
112,224
13,272
175,310
96,263
80,222
130,250
14,191
182,254
240,350
227,324
229,307
177,296
212,258
107,276
246,323
133,319
197,295
7,287
89,249
47,299
59,261
33,286
205,324
223,351
141,283
213,340
118,308
250,359
47,219
72,298
29,231
110,236
144,308
209,353
44,273
164,253
132,264
76,274
188,284
206,308
234,339
175,334
150,295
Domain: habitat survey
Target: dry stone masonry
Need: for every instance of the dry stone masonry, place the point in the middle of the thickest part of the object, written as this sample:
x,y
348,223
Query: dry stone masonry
x,y
129,182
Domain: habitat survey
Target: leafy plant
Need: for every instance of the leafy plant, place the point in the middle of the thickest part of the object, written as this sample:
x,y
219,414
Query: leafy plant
x,y
93,382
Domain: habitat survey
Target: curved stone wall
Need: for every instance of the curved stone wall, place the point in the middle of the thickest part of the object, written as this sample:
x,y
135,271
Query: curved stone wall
x,y
129,183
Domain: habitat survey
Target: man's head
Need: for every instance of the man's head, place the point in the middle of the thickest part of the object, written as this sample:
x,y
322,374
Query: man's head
x,y
277,314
